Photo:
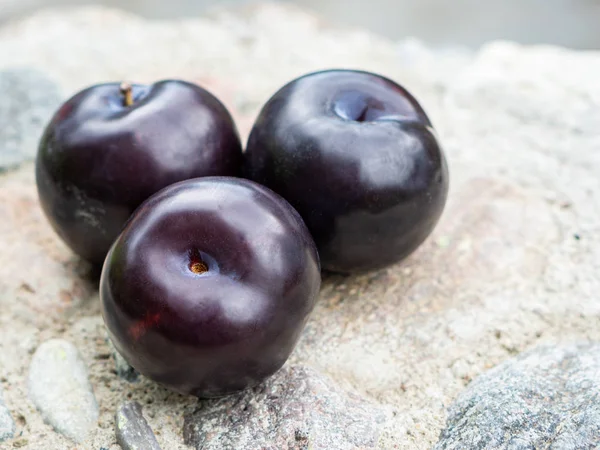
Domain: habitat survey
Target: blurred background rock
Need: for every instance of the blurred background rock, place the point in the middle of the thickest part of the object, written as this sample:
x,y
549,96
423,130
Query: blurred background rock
x,y
571,23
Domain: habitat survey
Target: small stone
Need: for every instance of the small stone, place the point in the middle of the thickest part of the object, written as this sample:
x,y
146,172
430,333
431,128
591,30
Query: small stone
x,y
122,367
7,425
60,389
545,398
133,432
29,99
295,409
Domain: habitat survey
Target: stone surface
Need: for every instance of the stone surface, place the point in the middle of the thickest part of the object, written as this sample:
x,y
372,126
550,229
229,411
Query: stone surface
x,y
295,409
29,99
7,424
60,389
546,398
513,264
133,432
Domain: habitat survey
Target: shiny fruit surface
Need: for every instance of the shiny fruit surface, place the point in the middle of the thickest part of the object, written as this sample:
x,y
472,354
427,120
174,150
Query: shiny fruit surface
x,y
358,158
112,146
209,286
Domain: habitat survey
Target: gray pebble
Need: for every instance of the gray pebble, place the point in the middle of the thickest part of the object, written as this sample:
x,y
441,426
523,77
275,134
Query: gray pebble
x,y
296,409
7,425
133,432
60,389
29,99
546,398
122,367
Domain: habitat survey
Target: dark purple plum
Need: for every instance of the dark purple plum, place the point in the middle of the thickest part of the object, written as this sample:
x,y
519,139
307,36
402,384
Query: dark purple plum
x,y
209,286
112,146
358,158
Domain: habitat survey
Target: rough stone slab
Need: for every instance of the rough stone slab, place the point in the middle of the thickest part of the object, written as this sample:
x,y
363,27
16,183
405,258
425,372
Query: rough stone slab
x,y
295,409
545,398
133,432
513,263
29,99
60,389
7,424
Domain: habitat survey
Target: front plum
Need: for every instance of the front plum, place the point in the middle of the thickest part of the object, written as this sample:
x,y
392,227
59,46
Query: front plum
x,y
210,285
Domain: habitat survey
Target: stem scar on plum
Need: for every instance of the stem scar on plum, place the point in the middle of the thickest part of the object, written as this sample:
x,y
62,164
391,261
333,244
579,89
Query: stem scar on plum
x,y
196,265
126,90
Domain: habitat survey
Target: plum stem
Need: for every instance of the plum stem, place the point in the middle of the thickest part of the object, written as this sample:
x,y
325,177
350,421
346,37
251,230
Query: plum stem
x,y
127,93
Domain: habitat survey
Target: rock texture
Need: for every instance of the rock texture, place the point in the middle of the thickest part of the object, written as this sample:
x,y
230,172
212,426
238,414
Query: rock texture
x,y
513,264
295,409
29,98
133,432
546,398
60,389
7,424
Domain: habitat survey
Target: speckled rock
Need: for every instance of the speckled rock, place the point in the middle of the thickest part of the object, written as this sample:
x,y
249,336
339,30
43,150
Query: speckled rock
x,y
60,389
295,409
7,425
29,98
545,398
513,263
133,432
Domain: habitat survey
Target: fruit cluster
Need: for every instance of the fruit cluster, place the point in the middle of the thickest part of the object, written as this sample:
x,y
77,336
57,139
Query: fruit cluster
x,y
211,255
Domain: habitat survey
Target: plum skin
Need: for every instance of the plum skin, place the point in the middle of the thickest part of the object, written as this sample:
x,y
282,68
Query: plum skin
x,y
99,158
357,157
234,321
